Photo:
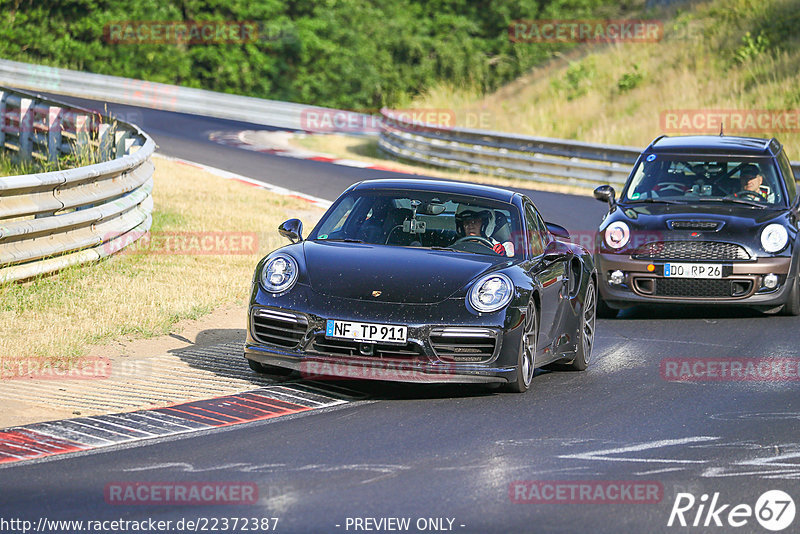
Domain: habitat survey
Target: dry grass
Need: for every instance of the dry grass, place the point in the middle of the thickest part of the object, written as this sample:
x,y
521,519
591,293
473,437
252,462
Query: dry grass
x,y
616,93
366,149
144,294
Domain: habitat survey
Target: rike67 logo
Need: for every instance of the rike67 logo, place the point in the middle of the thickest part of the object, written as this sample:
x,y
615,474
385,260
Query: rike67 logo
x,y
774,510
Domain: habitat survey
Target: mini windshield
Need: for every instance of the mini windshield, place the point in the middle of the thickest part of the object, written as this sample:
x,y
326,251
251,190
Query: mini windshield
x,y
423,219
674,178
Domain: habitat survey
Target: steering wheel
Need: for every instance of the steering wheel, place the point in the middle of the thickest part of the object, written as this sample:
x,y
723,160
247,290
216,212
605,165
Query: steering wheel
x,y
752,195
476,238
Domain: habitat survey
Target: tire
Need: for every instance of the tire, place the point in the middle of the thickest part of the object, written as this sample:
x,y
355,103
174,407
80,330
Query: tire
x,y
268,369
527,352
604,311
792,306
587,328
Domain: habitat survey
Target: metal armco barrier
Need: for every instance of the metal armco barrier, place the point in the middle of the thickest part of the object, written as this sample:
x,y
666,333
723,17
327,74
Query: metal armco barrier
x,y
539,159
52,220
156,95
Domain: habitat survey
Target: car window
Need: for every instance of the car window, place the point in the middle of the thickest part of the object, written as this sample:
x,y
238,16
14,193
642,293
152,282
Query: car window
x,y
338,216
536,229
698,179
788,175
422,219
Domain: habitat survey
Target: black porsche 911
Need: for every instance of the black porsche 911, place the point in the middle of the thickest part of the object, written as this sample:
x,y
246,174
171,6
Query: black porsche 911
x,y
424,281
702,220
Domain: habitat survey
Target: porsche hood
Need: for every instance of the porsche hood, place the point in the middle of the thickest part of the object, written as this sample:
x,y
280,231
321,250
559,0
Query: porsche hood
x,y
391,274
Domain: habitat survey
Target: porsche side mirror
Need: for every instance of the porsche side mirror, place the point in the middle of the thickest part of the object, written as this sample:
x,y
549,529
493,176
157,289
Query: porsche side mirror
x,y
606,193
557,230
292,230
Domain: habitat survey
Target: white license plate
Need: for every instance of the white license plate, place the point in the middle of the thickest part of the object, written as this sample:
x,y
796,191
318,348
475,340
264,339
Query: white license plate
x,y
374,333
692,270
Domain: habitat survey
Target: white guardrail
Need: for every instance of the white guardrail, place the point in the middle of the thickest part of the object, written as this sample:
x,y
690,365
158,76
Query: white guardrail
x,y
539,159
51,220
155,95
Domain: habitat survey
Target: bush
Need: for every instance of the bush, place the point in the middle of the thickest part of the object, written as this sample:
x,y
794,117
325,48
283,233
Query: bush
x,y
356,54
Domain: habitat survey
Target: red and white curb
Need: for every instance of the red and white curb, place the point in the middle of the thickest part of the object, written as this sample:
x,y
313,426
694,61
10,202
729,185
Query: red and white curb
x,y
277,142
40,440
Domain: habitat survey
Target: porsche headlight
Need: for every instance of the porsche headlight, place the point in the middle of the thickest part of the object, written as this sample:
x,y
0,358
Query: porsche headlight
x,y
279,273
491,293
774,237
617,235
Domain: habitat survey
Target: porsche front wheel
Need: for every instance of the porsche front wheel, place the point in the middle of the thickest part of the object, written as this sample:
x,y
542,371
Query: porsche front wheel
x,y
527,352
586,334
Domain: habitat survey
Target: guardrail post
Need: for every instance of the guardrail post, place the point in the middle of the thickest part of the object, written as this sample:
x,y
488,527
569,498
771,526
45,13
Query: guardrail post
x,y
3,96
54,133
120,142
82,132
106,137
25,128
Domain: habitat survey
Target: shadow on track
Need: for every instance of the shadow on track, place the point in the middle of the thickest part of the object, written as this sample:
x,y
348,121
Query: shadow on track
x,y
674,312
220,351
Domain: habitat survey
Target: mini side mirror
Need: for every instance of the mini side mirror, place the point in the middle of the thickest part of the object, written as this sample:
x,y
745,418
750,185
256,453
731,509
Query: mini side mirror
x,y
292,230
606,193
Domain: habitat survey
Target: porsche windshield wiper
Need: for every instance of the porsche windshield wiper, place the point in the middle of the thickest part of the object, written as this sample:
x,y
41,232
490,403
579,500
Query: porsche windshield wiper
x,y
344,240
657,201
448,249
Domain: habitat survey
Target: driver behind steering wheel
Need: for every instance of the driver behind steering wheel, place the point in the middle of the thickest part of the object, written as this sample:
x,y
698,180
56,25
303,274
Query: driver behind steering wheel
x,y
750,181
471,221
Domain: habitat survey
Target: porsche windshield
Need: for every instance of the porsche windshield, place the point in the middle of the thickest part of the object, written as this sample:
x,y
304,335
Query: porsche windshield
x,y
423,219
674,178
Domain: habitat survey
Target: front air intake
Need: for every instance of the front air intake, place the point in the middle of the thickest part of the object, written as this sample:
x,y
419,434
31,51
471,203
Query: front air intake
x,y
464,344
284,329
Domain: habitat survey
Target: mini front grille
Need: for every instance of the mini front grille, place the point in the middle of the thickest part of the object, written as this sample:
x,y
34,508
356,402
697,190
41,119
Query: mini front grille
x,y
284,329
695,225
463,344
344,347
691,250
698,288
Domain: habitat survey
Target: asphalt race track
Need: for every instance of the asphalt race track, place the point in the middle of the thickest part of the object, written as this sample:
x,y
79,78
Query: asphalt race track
x,y
452,458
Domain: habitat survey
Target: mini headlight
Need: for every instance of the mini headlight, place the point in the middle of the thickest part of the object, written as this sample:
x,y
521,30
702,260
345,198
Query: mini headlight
x,y
617,234
279,273
774,237
491,293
